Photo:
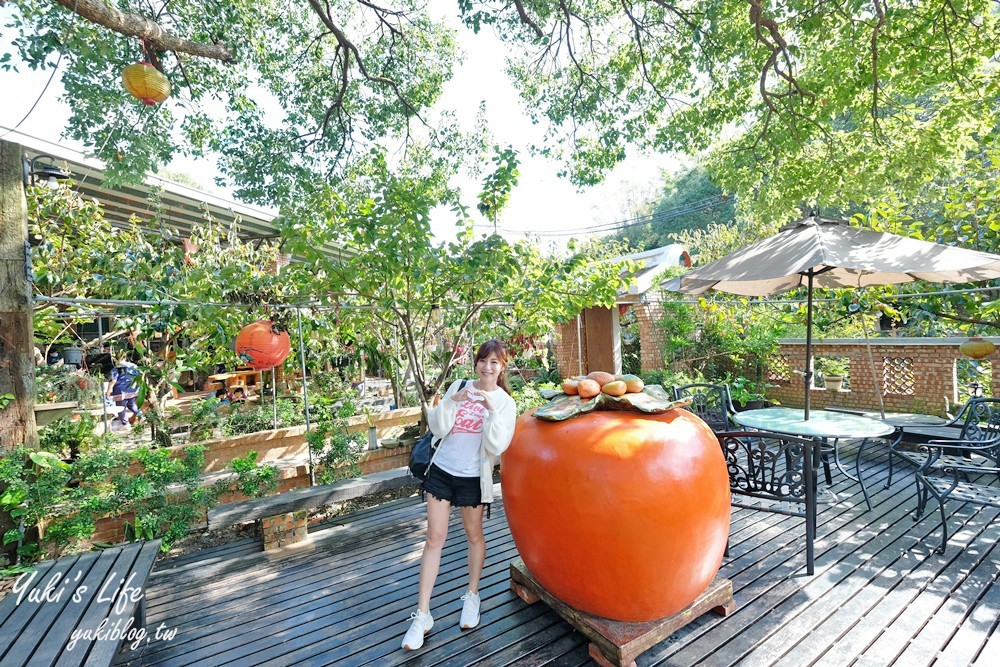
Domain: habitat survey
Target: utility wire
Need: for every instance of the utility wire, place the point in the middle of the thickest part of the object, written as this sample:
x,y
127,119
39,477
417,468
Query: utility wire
x,y
55,68
619,225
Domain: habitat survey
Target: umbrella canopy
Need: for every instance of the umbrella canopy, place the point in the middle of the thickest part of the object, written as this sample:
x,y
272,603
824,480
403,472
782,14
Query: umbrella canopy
x,y
822,252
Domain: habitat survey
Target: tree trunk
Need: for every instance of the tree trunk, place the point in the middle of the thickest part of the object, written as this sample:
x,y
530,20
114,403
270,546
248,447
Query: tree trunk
x,y
17,359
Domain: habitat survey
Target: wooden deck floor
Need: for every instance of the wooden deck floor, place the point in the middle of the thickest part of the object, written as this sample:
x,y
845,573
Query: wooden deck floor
x,y
880,596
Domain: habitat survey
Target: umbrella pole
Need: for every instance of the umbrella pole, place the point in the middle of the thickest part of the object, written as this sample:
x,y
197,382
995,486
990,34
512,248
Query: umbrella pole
x,y
809,330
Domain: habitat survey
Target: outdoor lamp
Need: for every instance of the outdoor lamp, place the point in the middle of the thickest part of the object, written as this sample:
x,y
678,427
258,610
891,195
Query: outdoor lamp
x,y
44,174
436,315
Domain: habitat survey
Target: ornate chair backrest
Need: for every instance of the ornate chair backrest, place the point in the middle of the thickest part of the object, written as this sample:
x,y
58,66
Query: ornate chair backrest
x,y
982,420
770,466
711,402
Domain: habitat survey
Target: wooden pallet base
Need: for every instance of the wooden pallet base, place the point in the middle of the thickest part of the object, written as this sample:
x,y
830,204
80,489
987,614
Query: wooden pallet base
x,y
619,643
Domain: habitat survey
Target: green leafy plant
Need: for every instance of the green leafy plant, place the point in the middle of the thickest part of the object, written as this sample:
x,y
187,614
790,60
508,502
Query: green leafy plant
x,y
743,390
204,418
5,400
261,418
252,479
69,437
34,485
831,366
336,453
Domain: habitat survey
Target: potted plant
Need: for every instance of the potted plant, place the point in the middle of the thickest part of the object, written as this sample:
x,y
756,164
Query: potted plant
x,y
832,370
747,394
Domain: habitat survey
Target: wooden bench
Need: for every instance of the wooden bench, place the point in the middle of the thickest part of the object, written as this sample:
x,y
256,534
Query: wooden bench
x,y
78,609
284,517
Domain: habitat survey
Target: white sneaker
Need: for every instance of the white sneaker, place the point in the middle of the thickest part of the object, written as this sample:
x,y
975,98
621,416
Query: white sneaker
x,y
470,611
421,625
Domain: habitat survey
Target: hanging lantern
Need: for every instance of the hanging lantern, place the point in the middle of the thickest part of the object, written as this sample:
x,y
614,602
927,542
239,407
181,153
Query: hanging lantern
x,y
261,346
146,83
977,348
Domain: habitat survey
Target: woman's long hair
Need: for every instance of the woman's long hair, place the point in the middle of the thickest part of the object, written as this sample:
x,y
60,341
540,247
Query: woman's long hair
x,y
494,346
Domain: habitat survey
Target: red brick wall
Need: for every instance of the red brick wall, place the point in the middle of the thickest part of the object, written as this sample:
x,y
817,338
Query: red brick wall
x,y
932,361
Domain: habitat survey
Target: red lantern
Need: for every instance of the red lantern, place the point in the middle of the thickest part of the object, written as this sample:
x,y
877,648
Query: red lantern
x,y
146,83
618,514
262,346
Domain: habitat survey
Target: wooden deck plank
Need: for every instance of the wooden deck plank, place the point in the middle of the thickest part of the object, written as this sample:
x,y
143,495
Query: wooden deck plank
x,y
345,599
352,634
892,596
763,609
314,570
972,635
911,620
343,610
955,601
272,618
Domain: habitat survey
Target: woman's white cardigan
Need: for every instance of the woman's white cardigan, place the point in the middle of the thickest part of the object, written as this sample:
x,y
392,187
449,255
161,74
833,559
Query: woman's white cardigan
x,y
498,429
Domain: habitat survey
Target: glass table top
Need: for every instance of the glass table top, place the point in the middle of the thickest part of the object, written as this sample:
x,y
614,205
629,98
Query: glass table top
x,y
822,423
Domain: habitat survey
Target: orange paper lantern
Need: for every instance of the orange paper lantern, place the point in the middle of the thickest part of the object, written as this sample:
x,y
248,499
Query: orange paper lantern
x,y
618,514
977,348
261,346
146,83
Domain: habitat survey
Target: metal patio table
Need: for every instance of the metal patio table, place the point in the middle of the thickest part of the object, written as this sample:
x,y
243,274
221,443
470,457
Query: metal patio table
x,y
830,427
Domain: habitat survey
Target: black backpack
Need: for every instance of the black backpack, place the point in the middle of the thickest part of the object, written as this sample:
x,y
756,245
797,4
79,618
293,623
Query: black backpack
x,y
423,450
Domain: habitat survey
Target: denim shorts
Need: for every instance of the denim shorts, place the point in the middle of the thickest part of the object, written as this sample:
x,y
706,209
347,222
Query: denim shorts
x,y
459,491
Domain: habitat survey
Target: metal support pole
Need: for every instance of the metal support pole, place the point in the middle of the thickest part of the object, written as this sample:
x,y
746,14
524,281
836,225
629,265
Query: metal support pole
x,y
274,395
809,332
104,398
305,395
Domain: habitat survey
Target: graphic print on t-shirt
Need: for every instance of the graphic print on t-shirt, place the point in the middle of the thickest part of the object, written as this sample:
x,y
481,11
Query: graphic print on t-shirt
x,y
470,417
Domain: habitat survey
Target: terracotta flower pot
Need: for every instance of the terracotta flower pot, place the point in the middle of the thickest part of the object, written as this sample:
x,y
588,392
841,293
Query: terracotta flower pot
x,y
619,514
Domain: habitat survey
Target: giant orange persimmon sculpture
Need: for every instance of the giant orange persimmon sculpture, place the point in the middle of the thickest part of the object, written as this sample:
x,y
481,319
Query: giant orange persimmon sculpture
x,y
619,514
261,346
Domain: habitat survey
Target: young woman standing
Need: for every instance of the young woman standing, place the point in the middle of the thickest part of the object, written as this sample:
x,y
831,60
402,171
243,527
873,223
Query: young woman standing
x,y
476,424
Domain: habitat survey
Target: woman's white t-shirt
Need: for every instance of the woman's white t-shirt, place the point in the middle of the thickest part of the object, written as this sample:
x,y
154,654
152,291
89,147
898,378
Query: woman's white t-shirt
x,y
459,451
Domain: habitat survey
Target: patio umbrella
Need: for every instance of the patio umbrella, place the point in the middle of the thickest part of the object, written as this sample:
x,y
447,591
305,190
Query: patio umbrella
x,y
822,252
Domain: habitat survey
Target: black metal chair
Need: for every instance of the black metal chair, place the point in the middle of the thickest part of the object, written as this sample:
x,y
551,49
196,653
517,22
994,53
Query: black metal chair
x,y
711,402
980,423
774,467
917,435
967,471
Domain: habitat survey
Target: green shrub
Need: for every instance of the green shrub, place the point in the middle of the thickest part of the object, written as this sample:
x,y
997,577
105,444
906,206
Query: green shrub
x,y
68,437
165,495
336,453
261,418
204,418
252,479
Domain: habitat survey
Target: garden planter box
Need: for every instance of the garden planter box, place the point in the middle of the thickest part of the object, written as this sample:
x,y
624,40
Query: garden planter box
x,y
286,443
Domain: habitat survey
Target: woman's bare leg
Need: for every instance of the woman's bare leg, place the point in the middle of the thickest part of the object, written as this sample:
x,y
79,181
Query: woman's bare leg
x,y
472,520
438,512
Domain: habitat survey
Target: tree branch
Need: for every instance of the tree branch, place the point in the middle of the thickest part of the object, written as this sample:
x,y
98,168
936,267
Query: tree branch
x,y
135,25
526,20
968,320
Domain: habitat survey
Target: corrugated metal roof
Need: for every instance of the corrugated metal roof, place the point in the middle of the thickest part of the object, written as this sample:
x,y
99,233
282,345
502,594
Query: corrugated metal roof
x,y
176,206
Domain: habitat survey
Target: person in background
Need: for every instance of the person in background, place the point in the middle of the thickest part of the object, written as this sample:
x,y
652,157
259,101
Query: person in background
x,y
122,389
476,424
